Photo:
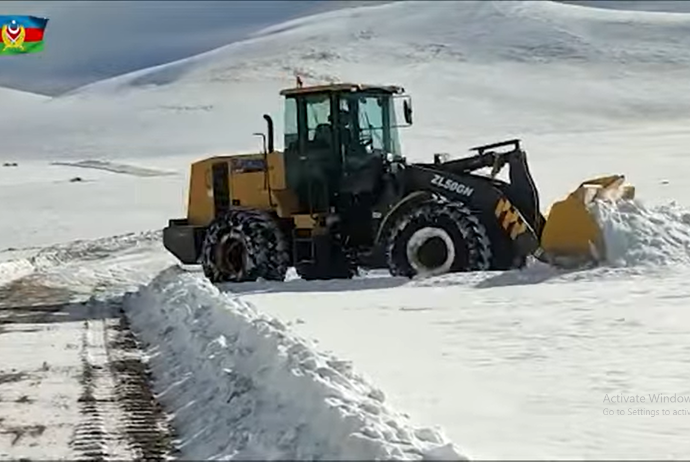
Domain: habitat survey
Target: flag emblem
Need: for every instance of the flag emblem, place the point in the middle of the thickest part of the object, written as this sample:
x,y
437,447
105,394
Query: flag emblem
x,y
21,34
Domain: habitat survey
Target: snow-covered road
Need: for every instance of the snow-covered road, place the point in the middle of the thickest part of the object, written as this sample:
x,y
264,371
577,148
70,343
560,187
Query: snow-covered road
x,y
72,382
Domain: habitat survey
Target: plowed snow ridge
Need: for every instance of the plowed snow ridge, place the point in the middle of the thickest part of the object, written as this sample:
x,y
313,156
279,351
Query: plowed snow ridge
x,y
639,235
241,386
81,250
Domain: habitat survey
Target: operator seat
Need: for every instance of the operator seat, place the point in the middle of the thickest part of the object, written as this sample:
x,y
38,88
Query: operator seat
x,y
322,136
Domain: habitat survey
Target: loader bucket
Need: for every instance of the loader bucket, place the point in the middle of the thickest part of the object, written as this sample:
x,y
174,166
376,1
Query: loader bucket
x,y
571,235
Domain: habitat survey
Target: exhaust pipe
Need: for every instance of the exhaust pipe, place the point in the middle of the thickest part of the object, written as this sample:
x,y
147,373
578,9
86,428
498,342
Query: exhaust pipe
x,y
269,135
269,123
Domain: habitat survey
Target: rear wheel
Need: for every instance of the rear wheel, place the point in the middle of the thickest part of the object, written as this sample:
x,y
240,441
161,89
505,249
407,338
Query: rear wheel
x,y
437,237
244,245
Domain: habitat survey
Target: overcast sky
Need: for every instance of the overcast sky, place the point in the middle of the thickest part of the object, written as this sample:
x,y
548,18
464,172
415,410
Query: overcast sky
x,y
88,41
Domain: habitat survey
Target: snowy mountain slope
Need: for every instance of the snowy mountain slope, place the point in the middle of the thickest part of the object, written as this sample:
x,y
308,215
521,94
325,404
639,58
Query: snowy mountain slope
x,y
660,6
488,68
13,97
15,105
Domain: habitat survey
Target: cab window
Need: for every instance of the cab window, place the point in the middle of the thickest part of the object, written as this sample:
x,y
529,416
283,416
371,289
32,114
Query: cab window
x,y
318,118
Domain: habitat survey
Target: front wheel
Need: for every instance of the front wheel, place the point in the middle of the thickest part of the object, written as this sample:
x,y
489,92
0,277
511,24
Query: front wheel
x,y
437,237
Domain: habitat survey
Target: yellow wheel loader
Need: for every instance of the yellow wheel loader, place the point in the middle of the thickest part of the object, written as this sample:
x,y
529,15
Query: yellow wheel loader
x,y
341,196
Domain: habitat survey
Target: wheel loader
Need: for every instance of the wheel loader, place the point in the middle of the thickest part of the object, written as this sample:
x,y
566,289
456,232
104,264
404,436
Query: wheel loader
x,y
341,196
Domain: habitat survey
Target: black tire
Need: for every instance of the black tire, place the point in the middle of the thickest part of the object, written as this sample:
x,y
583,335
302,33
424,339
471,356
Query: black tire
x,y
331,262
444,223
256,245
311,272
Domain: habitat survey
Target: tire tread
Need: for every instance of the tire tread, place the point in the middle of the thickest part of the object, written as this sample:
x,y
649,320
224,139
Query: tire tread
x,y
266,246
468,225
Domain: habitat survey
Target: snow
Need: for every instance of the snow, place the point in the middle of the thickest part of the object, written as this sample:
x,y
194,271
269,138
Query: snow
x,y
257,391
18,98
536,350
640,235
34,398
103,204
521,359
510,364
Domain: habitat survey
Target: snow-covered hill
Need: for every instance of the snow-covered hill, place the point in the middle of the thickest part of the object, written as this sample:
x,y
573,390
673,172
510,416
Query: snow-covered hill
x,y
17,107
488,69
662,6
16,98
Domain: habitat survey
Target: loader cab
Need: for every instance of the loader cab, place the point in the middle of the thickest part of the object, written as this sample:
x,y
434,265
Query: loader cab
x,y
337,139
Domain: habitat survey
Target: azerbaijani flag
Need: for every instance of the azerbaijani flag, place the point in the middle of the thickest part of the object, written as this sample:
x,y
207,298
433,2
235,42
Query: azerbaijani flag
x,y
21,34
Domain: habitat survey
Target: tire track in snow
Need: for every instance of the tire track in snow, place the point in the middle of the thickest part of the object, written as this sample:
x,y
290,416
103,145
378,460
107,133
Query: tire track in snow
x,y
146,425
90,435
121,418
118,415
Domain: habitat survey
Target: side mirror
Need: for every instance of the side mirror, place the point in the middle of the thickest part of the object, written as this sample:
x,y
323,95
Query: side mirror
x,y
407,111
263,137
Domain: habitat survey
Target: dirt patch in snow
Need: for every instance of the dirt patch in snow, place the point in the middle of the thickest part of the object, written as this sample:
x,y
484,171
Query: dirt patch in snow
x,y
9,377
19,431
115,168
27,296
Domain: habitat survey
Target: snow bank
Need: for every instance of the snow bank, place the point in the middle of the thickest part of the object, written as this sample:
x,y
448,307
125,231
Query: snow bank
x,y
14,269
242,386
639,235
43,259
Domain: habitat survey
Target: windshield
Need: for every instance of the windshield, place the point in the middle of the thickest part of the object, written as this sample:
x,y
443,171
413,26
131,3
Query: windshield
x,y
375,115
